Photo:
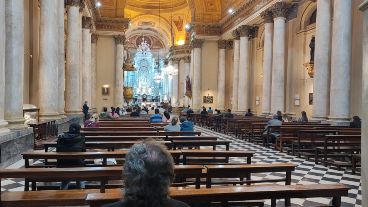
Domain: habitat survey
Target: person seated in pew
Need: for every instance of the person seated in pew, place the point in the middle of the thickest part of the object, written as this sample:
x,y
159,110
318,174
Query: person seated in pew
x,y
190,111
118,111
113,114
166,118
249,113
356,122
104,114
228,114
185,109
279,115
186,126
210,111
156,118
92,122
152,111
173,126
204,112
135,113
303,118
269,131
71,141
148,173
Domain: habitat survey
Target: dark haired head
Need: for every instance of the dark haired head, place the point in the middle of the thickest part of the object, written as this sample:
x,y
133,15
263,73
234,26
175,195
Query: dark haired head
x,y
157,111
74,128
167,115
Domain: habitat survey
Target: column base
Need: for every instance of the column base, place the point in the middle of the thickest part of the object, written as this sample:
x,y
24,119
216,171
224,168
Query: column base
x,y
3,127
339,121
16,124
50,116
73,112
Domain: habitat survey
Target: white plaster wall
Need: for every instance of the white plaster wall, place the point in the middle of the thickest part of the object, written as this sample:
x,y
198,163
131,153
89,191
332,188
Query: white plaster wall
x,y
209,71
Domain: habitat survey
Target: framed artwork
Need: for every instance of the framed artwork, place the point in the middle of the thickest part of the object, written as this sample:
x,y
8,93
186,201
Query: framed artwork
x,y
310,98
208,99
105,91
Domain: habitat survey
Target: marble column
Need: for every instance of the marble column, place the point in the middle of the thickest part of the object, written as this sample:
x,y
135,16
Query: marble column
x,y
61,57
175,84
3,123
234,97
86,60
49,61
222,44
187,74
364,153
197,69
72,71
119,72
94,39
279,11
322,60
181,82
267,61
244,63
341,61
14,63
191,73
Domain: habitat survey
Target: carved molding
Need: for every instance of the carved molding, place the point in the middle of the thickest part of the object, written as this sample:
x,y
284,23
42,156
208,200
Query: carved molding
x,y
187,59
94,38
112,24
245,30
175,60
78,3
206,29
119,39
86,22
236,34
267,16
279,9
229,44
222,44
197,43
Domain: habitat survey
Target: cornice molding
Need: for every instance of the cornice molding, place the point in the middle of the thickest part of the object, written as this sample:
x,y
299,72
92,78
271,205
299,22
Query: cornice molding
x,y
112,24
197,43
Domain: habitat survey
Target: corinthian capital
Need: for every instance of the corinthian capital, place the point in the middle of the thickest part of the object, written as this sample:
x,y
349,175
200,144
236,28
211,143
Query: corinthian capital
x,y
94,38
197,43
236,34
222,44
86,22
279,9
267,16
120,39
245,30
187,59
76,3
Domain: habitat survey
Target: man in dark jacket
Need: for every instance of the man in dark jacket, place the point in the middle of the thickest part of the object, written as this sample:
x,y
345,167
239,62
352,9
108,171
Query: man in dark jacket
x,y
85,110
71,141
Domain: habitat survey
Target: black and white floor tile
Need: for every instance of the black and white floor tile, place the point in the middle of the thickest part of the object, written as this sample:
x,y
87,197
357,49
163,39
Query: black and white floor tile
x,y
307,172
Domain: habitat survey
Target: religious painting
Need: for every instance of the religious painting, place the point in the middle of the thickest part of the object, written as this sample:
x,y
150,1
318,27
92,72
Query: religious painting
x,y
208,99
105,91
188,87
310,98
179,23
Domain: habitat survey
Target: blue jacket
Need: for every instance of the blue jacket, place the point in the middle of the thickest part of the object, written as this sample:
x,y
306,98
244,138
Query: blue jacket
x,y
156,118
187,126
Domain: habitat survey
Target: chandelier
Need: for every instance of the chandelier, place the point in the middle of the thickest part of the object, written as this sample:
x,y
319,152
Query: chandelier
x,y
170,71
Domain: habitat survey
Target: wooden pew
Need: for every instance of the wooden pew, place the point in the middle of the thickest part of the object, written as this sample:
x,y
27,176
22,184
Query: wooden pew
x,y
109,145
124,124
122,138
139,133
149,129
199,143
308,140
355,159
212,157
118,154
338,146
181,138
224,194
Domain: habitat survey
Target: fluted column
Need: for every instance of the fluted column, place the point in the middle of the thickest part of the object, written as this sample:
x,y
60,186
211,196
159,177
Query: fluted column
x,y
341,61
322,60
175,84
181,82
86,60
222,44
197,68
3,123
61,57
279,11
49,61
119,72
186,75
364,147
234,98
267,62
243,85
72,71
94,39
14,63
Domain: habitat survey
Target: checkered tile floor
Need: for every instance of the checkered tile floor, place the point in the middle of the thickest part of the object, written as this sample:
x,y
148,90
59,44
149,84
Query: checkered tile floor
x,y
306,173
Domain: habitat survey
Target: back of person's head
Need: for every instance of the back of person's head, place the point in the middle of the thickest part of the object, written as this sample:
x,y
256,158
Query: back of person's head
x,y
74,128
249,110
157,111
182,119
209,108
356,118
167,115
104,109
279,113
275,116
229,110
152,108
148,173
174,120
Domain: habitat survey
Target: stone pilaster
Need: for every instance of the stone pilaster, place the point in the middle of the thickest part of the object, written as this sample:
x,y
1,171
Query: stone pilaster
x,y
267,61
175,84
244,64
279,11
86,60
61,57
196,84
49,59
94,39
222,45
3,123
341,62
119,72
364,153
234,98
322,61
14,63
182,76
73,86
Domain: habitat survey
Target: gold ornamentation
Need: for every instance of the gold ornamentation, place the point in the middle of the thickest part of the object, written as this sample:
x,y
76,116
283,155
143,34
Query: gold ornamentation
x,y
310,69
128,93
